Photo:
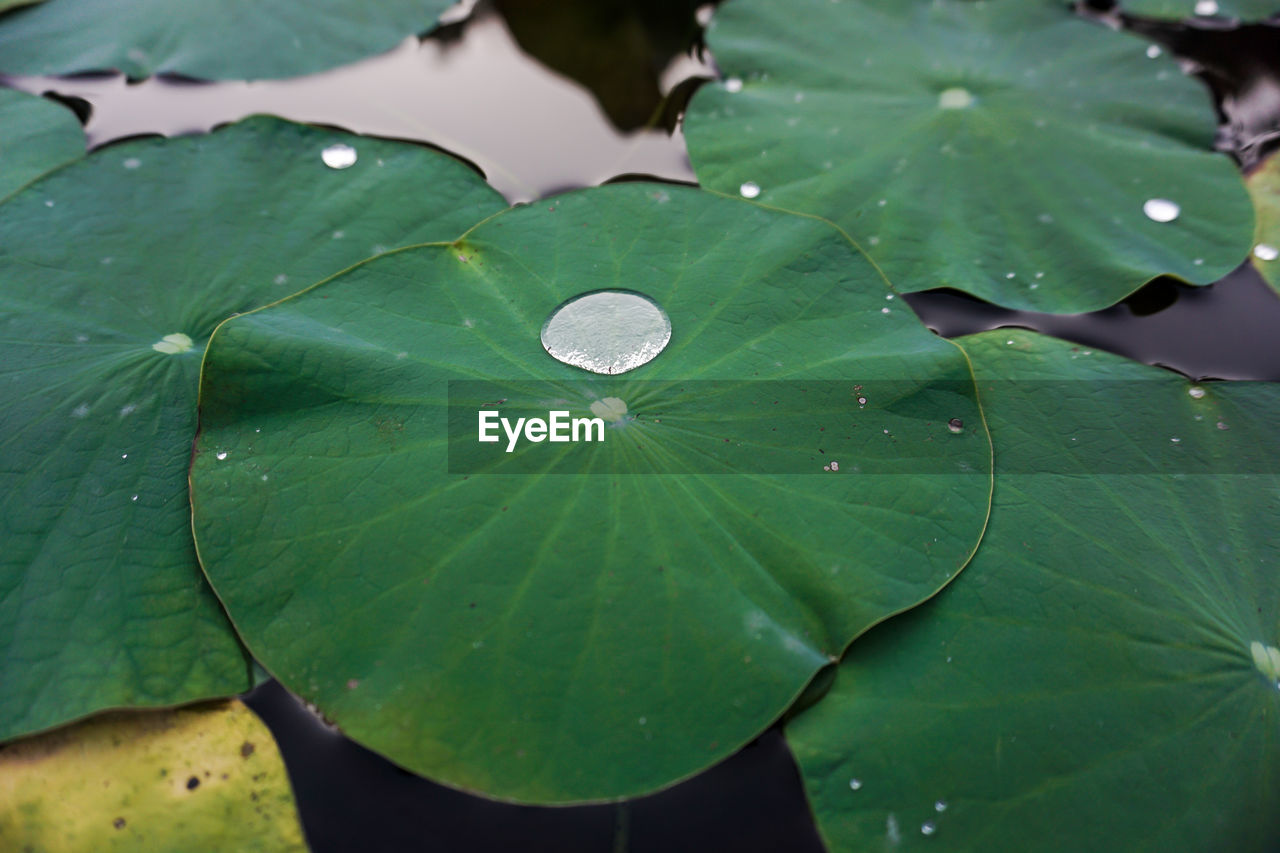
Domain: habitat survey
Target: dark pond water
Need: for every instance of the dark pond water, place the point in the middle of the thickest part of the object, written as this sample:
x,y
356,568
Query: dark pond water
x,y
548,96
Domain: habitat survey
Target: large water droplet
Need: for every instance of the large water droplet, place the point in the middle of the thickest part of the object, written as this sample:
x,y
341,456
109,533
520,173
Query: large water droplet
x,y
339,156
173,344
749,189
1161,209
1266,252
955,99
607,331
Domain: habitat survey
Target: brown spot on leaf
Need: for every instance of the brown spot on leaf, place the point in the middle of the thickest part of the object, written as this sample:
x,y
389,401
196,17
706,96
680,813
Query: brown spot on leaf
x,y
118,823
193,783
246,749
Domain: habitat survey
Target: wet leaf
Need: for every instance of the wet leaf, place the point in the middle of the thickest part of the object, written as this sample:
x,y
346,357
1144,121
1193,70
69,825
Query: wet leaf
x,y
201,778
113,273
1099,678
1264,186
214,39
1007,148
36,136
571,622
1248,10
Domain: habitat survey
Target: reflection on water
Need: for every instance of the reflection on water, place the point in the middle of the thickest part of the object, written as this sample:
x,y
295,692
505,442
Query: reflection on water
x,y
531,131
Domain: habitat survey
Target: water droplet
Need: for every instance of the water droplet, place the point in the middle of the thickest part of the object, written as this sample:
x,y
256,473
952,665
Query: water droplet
x,y
1223,425
749,189
48,202
338,235
281,279
134,498
955,425
1176,440
835,466
1206,7
643,721
1153,51
173,344
855,784
221,454
1010,275
124,455
1266,252
955,99
884,310
733,84
862,401
1044,219
1196,392
882,202
80,411
132,163
339,156
928,828
940,805
1161,209
889,297
607,331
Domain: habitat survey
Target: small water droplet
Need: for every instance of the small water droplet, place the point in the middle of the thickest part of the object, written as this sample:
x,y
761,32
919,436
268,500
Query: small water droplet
x,y
221,454
733,84
173,344
882,202
1198,262
1161,209
889,297
1206,7
749,189
862,401
48,202
132,163
281,279
884,310
835,466
855,784
955,425
338,235
643,721
940,805
955,98
607,331
928,828
1176,440
1196,391
134,498
124,455
1010,275
1266,252
1153,51
339,156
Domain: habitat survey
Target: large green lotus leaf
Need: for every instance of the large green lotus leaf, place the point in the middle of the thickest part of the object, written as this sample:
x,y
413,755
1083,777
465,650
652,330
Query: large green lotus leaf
x,y
1249,10
1264,186
1006,148
36,136
1104,675
113,273
201,778
577,622
213,39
